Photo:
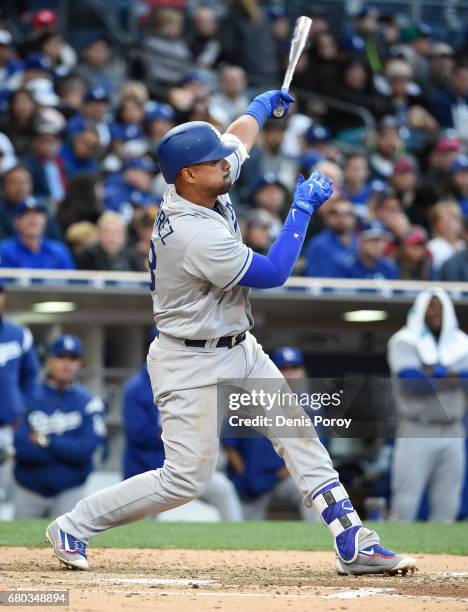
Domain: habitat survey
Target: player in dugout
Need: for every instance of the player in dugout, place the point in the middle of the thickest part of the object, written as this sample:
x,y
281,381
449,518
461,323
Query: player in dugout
x,y
201,273
57,437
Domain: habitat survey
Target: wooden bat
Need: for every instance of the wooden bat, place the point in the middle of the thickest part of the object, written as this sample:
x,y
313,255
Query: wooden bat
x,y
299,38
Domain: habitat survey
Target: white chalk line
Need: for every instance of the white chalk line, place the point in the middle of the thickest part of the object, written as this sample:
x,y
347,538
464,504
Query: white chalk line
x,y
355,593
153,581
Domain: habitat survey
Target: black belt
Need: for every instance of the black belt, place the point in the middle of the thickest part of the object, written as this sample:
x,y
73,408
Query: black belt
x,y
229,341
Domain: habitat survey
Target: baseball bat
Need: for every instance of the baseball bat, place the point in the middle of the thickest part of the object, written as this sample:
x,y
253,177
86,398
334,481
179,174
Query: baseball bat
x,y
299,38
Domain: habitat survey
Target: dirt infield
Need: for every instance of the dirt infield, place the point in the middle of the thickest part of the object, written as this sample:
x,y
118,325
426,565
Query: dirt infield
x,y
178,580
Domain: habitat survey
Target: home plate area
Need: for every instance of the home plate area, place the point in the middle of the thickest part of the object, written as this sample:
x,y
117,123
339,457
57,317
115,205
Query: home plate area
x,y
178,580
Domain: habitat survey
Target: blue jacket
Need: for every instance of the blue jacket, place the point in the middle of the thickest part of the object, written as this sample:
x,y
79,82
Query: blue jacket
x,y
73,419
121,197
444,104
144,448
53,255
7,222
261,462
18,370
353,267
73,165
323,254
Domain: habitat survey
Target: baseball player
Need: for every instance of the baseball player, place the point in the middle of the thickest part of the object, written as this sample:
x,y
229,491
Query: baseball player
x,y
200,278
429,358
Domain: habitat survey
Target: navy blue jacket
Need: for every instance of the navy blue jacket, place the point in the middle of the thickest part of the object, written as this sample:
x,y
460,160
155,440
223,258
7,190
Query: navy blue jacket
x,y
261,463
18,370
73,419
324,252
144,448
353,267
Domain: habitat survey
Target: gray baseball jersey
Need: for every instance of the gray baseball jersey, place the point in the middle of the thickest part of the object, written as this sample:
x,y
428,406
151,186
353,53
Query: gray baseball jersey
x,y
196,258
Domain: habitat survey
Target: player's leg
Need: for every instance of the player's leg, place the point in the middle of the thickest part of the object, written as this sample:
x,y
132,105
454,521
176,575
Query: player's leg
x,y
358,549
222,494
286,491
30,505
447,479
413,462
66,500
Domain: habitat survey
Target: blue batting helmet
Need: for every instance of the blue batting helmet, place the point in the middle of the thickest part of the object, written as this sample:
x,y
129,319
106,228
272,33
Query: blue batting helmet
x,y
190,143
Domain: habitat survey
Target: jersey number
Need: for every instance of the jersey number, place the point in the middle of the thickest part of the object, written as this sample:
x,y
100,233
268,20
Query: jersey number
x,y
152,266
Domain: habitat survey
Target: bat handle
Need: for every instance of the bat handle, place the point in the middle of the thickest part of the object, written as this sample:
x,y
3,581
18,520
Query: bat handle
x,y
280,110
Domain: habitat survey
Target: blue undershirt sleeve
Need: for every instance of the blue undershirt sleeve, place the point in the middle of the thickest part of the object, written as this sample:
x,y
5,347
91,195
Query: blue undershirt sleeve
x,y
272,270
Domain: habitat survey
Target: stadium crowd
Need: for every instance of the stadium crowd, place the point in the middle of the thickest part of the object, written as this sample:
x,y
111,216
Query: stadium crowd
x,y
79,129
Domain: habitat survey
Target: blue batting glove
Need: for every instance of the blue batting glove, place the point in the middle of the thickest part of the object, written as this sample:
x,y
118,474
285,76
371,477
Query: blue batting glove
x,y
310,194
262,107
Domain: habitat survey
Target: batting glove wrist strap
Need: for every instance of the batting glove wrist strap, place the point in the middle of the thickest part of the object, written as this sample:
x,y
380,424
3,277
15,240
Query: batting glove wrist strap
x,y
262,107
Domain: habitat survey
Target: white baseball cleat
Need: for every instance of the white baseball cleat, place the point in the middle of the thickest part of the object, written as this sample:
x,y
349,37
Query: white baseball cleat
x,y
376,559
68,550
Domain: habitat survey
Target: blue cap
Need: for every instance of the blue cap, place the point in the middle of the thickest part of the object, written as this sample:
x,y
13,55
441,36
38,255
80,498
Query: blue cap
x,y
97,94
317,133
460,164
140,163
193,76
28,205
125,131
287,357
270,178
310,158
38,61
373,229
158,110
92,37
367,10
66,345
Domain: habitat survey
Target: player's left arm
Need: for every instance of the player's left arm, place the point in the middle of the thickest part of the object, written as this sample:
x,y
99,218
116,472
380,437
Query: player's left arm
x,y
247,127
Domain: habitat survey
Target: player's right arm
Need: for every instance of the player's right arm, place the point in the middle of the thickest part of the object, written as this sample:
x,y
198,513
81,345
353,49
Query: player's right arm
x,y
273,269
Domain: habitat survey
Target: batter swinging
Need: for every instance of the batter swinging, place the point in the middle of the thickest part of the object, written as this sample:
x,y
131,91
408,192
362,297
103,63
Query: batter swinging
x,y
200,278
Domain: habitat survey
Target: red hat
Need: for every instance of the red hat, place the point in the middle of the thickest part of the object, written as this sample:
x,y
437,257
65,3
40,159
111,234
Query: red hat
x,y
405,164
44,17
444,145
416,235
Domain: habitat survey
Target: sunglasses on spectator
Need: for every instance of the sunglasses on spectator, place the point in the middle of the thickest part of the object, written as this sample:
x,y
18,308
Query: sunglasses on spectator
x,y
341,213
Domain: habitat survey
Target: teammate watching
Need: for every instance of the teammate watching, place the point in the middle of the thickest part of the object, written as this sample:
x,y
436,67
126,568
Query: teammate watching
x,y
57,437
18,381
201,273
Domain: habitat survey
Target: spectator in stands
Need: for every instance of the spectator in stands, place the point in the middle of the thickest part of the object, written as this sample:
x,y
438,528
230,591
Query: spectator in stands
x,y
247,41
323,72
110,252
204,41
19,368
37,67
459,186
441,158
7,154
404,180
11,68
258,473
57,437
370,261
417,41
355,87
257,232
19,120
388,209
142,226
388,147
50,45
362,37
94,113
356,185
30,248
271,194
455,268
231,100
132,188
129,112
17,186
159,119
446,229
71,90
442,62
44,162
338,240
412,257
83,201
144,449
318,139
428,359
99,67
81,155
450,104
167,56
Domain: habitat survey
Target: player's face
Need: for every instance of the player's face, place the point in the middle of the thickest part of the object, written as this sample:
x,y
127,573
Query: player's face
x,y
63,370
434,315
212,178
